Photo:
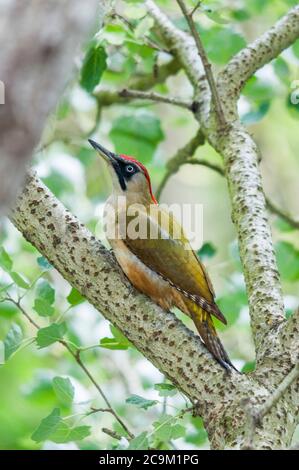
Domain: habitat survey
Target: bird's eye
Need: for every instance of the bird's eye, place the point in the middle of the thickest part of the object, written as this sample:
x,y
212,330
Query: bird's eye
x,y
130,169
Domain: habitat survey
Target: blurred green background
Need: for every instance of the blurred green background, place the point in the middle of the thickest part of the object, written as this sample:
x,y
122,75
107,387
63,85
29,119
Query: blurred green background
x,y
128,46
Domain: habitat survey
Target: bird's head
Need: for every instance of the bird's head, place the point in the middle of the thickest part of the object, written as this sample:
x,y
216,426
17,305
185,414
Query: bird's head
x,y
129,176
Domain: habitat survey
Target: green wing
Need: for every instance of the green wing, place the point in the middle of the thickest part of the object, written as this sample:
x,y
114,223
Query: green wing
x,y
172,257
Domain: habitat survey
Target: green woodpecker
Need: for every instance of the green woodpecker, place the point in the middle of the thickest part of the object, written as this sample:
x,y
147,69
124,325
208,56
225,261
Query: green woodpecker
x,y
164,268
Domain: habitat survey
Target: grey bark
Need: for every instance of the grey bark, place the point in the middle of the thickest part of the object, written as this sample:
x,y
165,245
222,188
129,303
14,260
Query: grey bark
x,y
39,40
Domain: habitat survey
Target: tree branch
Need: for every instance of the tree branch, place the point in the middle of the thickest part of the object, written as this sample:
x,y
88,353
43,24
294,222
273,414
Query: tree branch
x,y
108,97
282,214
173,165
183,157
135,94
46,34
205,62
253,57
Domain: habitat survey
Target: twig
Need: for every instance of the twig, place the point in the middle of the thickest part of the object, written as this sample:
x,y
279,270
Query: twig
x,y
144,82
17,304
277,394
212,166
205,62
195,8
125,93
111,433
196,161
148,41
283,215
76,356
256,414
180,158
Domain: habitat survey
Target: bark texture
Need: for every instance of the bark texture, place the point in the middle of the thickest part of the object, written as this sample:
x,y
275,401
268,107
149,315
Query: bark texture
x,y
39,41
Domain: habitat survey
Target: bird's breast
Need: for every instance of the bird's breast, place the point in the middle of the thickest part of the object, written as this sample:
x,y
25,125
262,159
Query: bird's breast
x,y
145,279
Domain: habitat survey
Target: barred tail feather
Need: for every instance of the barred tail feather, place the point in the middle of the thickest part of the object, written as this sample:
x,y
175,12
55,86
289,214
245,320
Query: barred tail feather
x,y
208,334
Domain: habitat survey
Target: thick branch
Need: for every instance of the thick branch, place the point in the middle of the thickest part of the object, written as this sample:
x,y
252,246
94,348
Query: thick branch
x,y
254,235
253,57
163,339
41,39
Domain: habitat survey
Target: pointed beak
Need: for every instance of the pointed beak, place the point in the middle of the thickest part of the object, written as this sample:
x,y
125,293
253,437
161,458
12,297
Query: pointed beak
x,y
108,156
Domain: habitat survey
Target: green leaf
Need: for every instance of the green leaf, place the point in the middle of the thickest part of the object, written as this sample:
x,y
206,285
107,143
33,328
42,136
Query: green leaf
x,y
256,115
206,251
283,226
58,183
258,91
167,428
114,34
295,48
45,292
199,435
230,305
43,308
119,341
44,263
2,353
47,426
140,402
5,260
215,16
135,12
50,334
221,43
93,67
119,336
19,280
8,310
139,442
288,313
282,70
165,389
75,298
61,433
63,389
241,15
197,438
137,135
13,340
112,343
248,367
288,261
80,432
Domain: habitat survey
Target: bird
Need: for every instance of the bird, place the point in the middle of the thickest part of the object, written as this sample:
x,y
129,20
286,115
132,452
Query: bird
x,y
164,267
